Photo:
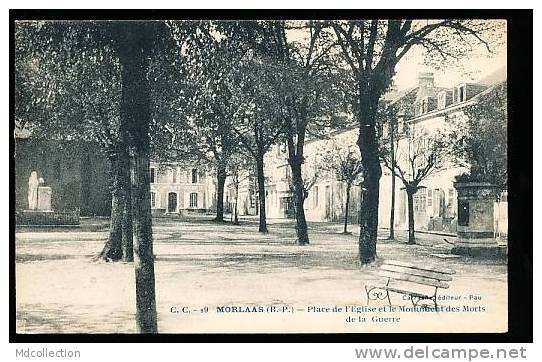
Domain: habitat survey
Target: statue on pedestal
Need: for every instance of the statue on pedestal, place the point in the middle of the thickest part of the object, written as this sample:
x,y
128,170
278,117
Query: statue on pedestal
x,y
33,184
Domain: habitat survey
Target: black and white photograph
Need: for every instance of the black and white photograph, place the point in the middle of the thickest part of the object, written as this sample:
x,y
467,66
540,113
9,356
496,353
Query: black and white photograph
x,y
261,174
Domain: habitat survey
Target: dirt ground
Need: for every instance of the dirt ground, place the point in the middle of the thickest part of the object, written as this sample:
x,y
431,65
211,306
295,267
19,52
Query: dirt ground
x,y
213,278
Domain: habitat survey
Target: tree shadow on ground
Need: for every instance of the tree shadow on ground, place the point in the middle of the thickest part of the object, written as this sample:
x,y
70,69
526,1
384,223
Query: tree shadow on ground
x,y
40,318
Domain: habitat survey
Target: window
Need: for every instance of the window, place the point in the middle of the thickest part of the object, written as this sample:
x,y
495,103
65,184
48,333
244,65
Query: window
x,y
462,93
194,176
153,173
252,199
174,175
420,201
419,149
315,197
401,126
284,172
153,199
281,149
429,198
193,199
442,100
451,196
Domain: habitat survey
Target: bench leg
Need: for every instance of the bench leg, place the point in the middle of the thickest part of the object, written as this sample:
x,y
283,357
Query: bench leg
x,y
376,293
388,295
416,300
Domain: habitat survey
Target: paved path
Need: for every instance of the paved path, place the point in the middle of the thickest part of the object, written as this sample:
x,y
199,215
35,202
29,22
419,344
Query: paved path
x,y
203,264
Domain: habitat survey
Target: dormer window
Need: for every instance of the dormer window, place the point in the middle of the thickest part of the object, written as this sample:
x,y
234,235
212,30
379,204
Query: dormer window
x,y
460,93
401,125
441,100
426,105
281,148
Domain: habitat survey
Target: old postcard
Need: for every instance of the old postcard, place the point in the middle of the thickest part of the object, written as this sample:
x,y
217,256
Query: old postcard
x,y
260,176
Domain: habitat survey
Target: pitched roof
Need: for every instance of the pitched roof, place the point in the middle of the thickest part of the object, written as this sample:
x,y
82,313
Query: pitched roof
x,y
496,77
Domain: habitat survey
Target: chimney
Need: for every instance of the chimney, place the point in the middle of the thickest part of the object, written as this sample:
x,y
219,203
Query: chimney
x,y
426,79
426,84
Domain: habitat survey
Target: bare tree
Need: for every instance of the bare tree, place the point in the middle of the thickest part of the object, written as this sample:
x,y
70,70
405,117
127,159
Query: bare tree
x,y
262,124
238,171
371,49
345,164
216,103
306,94
424,157
388,121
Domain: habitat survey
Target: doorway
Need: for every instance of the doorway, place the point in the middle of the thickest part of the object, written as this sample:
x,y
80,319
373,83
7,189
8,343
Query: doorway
x,y
172,202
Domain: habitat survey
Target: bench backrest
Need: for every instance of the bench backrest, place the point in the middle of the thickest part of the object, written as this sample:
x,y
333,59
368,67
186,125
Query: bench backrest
x,y
424,275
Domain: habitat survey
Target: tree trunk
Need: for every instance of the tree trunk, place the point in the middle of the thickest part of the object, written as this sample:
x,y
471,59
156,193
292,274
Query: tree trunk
x,y
261,194
392,208
346,207
119,245
235,217
127,227
112,250
299,200
392,211
368,147
143,244
410,197
221,180
133,49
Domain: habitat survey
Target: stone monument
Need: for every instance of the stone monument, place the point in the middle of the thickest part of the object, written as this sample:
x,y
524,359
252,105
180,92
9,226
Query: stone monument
x,y
40,211
475,219
44,198
33,184
39,195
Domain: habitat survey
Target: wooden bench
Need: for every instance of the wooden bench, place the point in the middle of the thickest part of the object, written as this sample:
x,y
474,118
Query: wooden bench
x,y
408,279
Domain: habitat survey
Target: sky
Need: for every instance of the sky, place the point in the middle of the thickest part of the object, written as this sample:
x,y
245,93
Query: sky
x,y
472,69
479,64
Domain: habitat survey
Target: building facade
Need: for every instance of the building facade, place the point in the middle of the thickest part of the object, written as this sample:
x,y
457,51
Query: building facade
x,y
180,189
80,178
83,182
424,110
325,200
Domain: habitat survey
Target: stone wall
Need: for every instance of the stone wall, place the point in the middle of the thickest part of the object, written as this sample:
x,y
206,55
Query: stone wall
x,y
78,175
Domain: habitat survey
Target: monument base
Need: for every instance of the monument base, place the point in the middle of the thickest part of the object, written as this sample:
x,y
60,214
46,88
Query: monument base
x,y
36,212
46,217
485,247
